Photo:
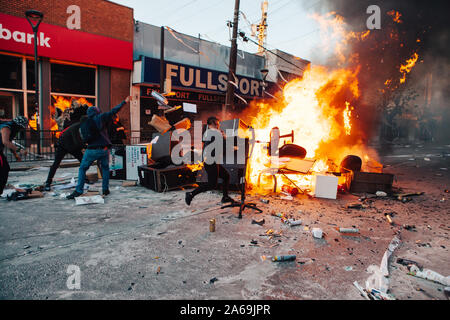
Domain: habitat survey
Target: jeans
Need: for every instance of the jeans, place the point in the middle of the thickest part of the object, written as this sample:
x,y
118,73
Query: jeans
x,y
90,155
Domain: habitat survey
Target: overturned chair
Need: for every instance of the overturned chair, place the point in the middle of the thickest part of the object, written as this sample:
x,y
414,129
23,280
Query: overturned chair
x,y
291,158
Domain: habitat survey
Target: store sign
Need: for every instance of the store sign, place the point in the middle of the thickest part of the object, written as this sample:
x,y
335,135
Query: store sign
x,y
186,96
184,76
63,44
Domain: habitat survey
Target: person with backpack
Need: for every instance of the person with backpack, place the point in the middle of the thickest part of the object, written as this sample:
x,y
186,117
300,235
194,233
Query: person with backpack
x,y
69,142
93,132
8,132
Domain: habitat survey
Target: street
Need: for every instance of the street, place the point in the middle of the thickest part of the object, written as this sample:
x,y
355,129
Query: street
x,y
141,244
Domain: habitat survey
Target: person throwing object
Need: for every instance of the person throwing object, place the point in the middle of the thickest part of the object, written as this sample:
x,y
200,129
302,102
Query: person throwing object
x,y
93,131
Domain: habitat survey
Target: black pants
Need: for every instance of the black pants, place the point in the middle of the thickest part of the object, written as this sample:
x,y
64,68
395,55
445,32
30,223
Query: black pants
x,y
60,153
4,171
214,171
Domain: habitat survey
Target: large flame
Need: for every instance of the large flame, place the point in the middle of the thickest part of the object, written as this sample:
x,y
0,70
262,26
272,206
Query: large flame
x,y
319,108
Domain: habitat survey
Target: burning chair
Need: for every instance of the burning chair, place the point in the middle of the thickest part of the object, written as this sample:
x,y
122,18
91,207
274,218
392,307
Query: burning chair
x,y
290,158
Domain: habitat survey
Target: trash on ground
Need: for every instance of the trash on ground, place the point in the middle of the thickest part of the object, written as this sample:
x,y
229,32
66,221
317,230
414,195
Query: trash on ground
x,y
409,228
264,201
348,268
381,194
284,258
348,230
213,280
428,274
317,233
379,280
258,222
212,225
356,206
388,217
89,200
293,222
407,262
129,183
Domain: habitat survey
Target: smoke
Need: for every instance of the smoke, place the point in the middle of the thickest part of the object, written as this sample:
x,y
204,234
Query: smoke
x,y
407,27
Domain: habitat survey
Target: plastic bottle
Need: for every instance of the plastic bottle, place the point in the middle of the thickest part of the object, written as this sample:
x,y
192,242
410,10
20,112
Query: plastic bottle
x,y
284,258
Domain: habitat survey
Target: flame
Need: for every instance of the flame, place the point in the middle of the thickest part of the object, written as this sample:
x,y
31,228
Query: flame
x,y
346,115
320,109
63,103
196,166
410,63
395,16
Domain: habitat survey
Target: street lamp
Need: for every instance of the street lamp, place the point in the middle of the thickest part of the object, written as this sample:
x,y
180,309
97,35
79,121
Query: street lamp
x,y
35,17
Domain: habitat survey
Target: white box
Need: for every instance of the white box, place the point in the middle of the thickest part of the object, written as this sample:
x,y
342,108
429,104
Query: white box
x,y
325,186
136,155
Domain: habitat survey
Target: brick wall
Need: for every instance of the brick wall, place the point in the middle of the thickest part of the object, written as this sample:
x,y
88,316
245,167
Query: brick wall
x,y
120,89
99,17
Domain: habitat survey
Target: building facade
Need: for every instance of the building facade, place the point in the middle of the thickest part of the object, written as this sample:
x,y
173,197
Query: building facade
x,y
85,54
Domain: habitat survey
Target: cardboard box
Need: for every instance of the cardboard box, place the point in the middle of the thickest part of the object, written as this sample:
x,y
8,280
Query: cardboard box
x,y
135,156
325,186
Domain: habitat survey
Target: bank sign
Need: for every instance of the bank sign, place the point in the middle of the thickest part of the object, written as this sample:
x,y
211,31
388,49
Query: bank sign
x,y
61,43
182,76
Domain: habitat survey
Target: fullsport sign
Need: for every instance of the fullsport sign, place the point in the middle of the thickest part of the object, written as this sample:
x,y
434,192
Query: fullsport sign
x,y
60,43
183,76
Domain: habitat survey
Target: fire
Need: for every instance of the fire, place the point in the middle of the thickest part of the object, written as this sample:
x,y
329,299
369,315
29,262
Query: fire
x,y
410,63
395,16
320,109
196,166
311,109
346,115
63,103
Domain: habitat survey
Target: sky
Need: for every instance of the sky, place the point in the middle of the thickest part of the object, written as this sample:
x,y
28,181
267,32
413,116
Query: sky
x,y
290,29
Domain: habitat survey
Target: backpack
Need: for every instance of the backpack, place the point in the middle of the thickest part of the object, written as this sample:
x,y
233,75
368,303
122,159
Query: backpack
x,y
89,131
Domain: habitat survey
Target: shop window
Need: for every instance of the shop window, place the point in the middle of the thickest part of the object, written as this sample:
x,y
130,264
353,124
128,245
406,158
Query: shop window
x,y
72,79
11,72
30,75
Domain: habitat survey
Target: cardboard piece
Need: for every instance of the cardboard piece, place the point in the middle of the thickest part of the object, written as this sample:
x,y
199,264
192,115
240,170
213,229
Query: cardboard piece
x,y
89,200
325,186
135,156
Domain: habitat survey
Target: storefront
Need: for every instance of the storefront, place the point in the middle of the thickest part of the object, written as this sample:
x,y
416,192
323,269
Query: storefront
x,y
204,88
85,51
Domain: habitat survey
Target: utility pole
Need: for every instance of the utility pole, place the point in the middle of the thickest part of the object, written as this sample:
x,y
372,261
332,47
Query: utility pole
x,y
162,73
229,98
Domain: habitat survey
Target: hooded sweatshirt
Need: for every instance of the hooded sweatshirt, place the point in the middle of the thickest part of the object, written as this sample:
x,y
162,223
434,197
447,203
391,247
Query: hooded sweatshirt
x,y
101,121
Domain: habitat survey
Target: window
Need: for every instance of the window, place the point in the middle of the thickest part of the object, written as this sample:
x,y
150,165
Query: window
x,y
72,79
11,72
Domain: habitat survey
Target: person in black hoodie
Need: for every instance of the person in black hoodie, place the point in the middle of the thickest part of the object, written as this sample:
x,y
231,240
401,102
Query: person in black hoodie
x,y
98,148
8,132
213,169
68,142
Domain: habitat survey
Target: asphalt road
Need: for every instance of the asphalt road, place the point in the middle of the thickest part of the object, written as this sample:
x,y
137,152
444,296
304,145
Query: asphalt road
x,y
141,244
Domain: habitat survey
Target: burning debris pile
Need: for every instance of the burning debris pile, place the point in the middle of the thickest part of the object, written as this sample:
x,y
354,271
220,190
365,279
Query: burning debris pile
x,y
335,109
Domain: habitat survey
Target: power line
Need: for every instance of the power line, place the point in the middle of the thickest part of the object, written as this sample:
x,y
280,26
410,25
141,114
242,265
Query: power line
x,y
242,34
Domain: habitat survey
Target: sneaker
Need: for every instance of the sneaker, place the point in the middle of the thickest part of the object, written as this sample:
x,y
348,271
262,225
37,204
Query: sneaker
x,y
73,195
226,199
189,198
106,192
47,186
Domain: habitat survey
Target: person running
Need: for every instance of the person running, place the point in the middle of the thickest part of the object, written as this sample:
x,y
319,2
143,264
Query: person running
x,y
213,170
94,131
8,132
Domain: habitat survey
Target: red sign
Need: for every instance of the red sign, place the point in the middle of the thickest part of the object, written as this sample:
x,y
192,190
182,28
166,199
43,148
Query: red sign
x,y
63,44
